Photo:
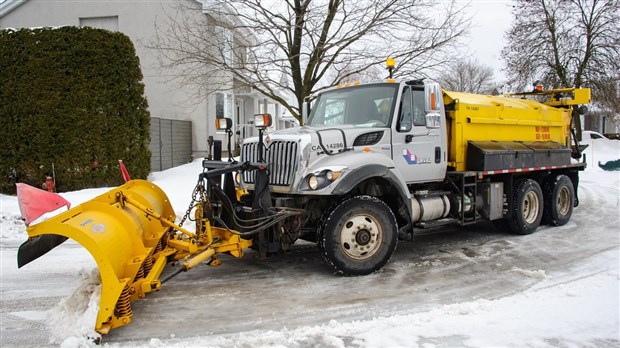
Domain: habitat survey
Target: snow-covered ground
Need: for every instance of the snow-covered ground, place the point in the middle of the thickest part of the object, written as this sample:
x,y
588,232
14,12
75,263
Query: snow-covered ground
x,y
471,287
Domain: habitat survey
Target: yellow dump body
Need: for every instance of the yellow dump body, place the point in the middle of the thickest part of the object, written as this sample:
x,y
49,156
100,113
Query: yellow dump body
x,y
475,117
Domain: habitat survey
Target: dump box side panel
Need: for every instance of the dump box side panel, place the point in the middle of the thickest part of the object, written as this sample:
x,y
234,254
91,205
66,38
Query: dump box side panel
x,y
496,155
474,117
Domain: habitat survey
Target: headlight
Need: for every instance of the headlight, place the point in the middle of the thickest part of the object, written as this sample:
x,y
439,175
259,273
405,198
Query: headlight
x,y
332,175
313,182
321,178
238,178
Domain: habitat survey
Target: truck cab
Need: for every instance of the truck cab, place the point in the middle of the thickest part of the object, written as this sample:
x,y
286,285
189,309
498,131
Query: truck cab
x,y
411,114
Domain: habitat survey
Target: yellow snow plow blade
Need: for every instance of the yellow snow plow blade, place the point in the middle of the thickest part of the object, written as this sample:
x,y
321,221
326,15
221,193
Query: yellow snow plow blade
x,y
131,234
129,245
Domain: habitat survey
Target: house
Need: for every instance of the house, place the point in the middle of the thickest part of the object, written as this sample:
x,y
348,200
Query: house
x,y
171,102
601,121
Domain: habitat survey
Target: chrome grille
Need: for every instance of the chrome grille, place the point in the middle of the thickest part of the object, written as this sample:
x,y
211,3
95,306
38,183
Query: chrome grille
x,y
281,156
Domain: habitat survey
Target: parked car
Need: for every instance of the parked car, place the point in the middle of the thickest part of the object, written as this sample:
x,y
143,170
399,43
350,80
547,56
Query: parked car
x,y
591,135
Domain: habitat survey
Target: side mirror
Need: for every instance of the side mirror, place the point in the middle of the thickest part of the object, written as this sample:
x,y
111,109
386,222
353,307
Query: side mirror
x,y
433,120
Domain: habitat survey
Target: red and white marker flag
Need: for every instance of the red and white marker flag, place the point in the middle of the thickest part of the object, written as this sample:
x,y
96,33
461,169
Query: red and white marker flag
x,y
34,202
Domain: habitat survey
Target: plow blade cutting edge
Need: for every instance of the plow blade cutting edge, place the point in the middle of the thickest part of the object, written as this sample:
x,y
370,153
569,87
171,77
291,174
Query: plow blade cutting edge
x,y
126,231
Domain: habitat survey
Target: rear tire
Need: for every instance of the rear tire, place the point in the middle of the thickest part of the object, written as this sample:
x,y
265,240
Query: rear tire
x,y
559,200
359,236
527,207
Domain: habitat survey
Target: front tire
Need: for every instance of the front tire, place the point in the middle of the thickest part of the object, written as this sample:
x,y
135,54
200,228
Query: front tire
x,y
359,235
527,207
559,200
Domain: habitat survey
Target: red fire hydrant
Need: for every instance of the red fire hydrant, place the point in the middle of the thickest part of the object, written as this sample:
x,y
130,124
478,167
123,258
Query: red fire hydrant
x,y
49,184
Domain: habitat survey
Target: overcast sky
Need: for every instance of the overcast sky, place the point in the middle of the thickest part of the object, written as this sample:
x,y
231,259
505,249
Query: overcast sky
x,y
490,20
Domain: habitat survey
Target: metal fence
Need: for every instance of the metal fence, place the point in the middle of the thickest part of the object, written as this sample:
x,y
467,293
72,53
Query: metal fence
x,y
171,143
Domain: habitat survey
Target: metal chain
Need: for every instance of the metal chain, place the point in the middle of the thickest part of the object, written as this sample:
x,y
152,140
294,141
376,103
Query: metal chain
x,y
206,204
191,204
200,188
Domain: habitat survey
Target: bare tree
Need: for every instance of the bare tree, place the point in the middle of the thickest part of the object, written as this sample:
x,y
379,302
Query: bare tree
x,y
468,76
563,43
303,46
607,95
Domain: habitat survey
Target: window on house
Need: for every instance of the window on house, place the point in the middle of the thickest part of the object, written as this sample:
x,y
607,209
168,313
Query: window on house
x,y
241,55
228,106
265,107
219,105
108,23
227,49
223,105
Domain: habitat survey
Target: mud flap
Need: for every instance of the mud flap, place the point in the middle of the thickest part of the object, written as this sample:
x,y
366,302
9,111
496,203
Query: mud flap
x,y
129,246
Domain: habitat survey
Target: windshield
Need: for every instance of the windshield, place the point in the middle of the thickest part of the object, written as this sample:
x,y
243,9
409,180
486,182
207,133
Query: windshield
x,y
363,106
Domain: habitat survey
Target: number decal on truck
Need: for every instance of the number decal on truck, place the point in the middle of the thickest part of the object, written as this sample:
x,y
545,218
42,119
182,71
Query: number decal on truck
x,y
543,133
332,146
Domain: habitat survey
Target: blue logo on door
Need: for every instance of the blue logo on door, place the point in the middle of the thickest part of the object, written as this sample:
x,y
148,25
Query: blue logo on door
x,y
409,157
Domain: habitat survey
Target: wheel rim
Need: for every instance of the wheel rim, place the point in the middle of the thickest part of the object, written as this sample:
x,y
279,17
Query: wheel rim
x,y
531,206
360,236
564,201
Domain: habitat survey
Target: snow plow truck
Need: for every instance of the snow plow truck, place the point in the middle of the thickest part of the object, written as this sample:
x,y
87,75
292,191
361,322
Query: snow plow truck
x,y
372,163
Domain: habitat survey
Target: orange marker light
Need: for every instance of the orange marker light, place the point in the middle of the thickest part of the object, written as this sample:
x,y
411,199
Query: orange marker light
x,y
262,120
223,123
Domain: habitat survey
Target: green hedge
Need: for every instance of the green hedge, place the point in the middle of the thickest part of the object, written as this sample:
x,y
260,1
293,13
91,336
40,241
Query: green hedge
x,y
73,97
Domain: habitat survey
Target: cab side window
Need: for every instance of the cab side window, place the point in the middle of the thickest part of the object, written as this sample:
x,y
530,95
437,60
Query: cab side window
x,y
405,118
419,114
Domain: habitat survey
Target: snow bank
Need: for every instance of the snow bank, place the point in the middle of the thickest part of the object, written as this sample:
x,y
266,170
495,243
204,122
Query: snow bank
x,y
600,150
72,321
178,183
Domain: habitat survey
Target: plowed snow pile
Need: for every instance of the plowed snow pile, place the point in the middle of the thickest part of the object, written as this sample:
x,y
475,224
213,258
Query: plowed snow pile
x,y
72,321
